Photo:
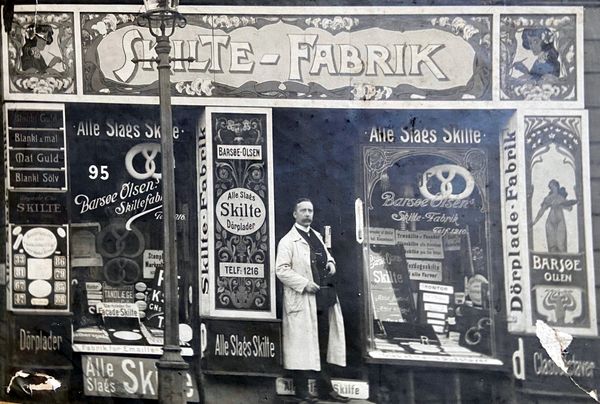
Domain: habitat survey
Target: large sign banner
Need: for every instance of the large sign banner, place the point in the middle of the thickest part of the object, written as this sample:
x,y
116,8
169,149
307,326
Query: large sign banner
x,y
336,57
240,159
548,246
263,56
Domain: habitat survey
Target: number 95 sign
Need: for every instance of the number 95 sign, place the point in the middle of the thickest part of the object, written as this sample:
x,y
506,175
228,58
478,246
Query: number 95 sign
x,y
98,172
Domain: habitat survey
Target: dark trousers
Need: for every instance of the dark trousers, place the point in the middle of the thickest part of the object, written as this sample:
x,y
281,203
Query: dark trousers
x,y
323,377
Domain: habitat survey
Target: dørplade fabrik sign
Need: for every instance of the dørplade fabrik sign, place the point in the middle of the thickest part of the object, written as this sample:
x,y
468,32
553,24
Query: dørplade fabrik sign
x,y
548,252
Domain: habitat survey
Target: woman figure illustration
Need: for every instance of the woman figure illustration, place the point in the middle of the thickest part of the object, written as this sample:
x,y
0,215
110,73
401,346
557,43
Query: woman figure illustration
x,y
556,228
37,37
540,41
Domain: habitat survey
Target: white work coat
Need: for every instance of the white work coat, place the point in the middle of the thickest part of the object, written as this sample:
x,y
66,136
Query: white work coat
x,y
300,330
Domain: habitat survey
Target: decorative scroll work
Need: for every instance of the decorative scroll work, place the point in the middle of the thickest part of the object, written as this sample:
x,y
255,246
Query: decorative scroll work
x,y
562,295
549,252
240,189
437,57
378,160
538,57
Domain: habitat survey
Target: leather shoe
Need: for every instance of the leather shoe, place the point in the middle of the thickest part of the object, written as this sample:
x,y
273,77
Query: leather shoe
x,y
307,399
334,396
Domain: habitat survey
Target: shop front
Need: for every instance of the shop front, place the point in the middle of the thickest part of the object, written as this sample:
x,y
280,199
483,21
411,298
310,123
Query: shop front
x,y
445,152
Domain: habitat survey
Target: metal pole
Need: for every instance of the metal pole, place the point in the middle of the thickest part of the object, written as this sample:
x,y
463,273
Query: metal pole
x,y
171,366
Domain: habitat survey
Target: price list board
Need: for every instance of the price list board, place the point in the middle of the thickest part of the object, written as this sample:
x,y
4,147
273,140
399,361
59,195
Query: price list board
x,y
36,166
36,148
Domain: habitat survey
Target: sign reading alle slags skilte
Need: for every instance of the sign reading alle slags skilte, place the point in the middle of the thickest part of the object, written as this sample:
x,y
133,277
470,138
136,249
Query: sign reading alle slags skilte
x,y
548,250
240,154
127,377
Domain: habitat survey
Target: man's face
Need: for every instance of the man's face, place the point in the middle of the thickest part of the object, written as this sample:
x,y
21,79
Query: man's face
x,y
304,213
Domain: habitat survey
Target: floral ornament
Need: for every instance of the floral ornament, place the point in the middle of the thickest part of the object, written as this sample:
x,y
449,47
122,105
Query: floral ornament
x,y
256,174
234,126
49,85
367,92
458,26
106,25
332,24
228,21
223,173
532,91
241,293
25,19
198,87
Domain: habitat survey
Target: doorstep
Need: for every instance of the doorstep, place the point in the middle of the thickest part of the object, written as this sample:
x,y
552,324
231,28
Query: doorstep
x,y
292,400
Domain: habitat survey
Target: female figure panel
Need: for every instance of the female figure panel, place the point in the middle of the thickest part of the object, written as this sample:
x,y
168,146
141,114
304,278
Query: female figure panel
x,y
32,54
556,228
540,41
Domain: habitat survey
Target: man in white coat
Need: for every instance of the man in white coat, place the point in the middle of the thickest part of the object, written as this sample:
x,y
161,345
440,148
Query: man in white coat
x,y
313,326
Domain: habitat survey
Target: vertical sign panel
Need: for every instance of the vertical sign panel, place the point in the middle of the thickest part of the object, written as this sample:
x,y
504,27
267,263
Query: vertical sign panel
x,y
561,277
38,230
242,245
547,225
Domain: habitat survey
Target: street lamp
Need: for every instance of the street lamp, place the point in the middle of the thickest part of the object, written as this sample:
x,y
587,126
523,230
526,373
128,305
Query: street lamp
x,y
161,18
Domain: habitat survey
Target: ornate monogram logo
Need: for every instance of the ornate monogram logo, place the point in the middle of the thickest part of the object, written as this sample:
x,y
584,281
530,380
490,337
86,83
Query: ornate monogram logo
x,y
149,151
449,179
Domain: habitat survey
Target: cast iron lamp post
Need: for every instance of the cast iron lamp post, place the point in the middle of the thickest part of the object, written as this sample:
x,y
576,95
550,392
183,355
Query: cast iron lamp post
x,y
161,18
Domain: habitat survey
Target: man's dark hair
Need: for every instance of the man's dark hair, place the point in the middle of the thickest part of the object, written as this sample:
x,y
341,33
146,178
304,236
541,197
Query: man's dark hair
x,y
300,200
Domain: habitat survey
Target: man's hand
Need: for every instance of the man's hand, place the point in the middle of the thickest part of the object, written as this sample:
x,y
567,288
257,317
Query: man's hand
x,y
311,287
330,268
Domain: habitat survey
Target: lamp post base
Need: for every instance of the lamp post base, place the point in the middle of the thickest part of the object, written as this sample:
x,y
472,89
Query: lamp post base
x,y
172,371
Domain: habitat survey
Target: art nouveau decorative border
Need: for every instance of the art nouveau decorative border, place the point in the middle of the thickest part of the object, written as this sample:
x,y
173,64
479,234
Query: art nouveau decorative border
x,y
548,250
420,57
240,213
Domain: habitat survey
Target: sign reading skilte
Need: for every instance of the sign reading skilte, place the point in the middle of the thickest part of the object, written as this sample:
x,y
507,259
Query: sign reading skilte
x,y
337,57
37,207
240,154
